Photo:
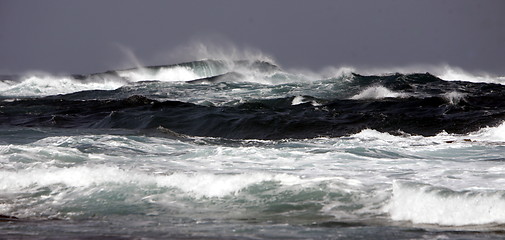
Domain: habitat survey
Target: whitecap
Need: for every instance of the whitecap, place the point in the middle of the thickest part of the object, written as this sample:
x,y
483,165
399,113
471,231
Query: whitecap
x,y
454,97
169,74
425,204
492,134
45,85
377,92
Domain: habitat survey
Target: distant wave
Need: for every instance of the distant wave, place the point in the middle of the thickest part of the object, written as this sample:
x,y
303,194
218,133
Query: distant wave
x,y
43,84
255,71
252,99
216,144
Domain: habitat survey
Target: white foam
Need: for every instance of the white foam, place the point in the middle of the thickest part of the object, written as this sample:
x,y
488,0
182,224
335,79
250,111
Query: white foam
x,y
491,134
4,84
487,134
454,97
169,74
195,184
429,205
45,84
213,185
377,92
298,100
301,100
457,74
42,84
371,134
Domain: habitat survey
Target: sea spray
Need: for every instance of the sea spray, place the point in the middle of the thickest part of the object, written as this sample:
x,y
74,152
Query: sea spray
x,y
242,148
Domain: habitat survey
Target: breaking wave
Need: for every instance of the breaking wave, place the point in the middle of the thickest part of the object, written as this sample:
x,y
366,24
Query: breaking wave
x,y
377,92
238,141
431,205
233,106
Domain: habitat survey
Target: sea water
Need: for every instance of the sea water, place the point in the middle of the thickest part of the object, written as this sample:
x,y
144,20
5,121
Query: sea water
x,y
245,150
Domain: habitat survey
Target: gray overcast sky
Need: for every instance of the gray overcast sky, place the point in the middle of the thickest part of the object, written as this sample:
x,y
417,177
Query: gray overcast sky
x,y
62,36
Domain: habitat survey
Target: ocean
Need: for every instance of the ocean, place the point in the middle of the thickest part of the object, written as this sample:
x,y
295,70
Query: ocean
x,y
243,149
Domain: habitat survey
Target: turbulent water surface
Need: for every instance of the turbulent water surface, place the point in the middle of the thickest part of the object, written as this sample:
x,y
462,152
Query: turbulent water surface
x,y
245,150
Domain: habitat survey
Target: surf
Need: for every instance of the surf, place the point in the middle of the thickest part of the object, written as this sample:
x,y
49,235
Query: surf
x,y
241,141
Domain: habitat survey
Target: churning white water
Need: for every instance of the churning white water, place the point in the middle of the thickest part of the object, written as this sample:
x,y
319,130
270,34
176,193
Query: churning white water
x,y
135,181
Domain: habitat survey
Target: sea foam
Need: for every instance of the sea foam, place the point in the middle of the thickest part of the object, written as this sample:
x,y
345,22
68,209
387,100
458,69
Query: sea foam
x,y
377,92
194,184
169,74
457,74
425,204
301,100
454,97
491,134
45,85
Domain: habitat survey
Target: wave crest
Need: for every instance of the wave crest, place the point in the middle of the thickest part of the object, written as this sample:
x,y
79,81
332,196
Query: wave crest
x,y
377,92
425,204
45,85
